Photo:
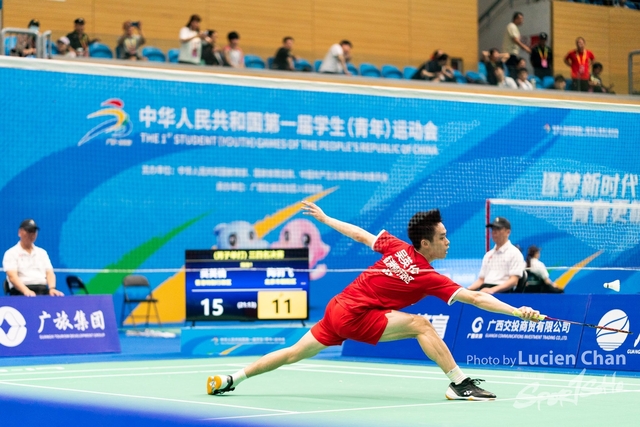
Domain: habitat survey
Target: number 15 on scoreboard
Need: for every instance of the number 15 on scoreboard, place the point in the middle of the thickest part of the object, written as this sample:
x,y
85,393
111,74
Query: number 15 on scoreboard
x,y
282,305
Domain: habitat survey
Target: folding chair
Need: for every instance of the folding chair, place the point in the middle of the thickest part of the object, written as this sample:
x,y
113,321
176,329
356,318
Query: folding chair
x,y
74,282
137,290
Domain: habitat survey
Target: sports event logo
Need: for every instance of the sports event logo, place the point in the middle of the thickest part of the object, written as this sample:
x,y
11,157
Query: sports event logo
x,y
118,125
17,329
608,340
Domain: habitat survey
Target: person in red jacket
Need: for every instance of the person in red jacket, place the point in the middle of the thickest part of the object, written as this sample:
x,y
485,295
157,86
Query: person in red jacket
x,y
580,61
367,309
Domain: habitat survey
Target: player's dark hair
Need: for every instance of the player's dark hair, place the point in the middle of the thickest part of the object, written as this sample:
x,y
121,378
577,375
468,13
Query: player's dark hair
x,y
422,226
347,42
516,15
233,36
284,40
597,65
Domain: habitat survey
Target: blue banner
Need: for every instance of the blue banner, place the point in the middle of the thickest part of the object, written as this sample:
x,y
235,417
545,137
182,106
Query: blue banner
x,y
444,318
153,162
486,338
602,349
239,340
57,325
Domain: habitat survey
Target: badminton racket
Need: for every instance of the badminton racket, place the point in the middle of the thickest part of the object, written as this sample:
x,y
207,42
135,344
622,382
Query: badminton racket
x,y
517,313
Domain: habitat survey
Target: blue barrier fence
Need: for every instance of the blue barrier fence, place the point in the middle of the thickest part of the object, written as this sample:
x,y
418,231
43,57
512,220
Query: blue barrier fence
x,y
477,337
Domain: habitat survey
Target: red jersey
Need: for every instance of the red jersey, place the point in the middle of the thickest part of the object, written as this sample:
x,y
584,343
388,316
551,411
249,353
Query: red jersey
x,y
580,64
402,277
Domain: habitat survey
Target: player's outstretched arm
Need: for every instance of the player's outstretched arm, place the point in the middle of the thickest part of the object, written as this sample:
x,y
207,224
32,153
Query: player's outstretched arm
x,y
490,303
356,233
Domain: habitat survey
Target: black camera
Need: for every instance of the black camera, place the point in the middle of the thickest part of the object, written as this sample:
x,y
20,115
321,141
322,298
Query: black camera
x,y
135,24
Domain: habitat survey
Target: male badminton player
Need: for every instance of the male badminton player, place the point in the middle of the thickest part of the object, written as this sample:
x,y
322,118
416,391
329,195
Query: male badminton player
x,y
367,309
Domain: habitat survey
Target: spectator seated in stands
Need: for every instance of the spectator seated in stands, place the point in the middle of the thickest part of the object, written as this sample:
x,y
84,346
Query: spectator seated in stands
x,y
435,70
538,274
284,59
503,266
79,40
26,43
335,61
522,80
233,55
595,82
130,41
504,81
492,60
63,48
559,82
211,55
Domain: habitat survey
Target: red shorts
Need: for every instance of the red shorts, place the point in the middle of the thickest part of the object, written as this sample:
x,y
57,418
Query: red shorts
x,y
340,323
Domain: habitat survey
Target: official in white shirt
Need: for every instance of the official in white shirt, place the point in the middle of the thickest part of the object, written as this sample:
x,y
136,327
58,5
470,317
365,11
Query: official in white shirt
x,y
503,265
28,267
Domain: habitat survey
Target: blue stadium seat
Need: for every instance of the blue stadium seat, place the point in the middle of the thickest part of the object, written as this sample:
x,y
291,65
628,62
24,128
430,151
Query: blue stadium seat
x,y
369,70
153,54
409,71
352,69
173,54
9,43
316,64
547,82
51,45
476,77
100,50
253,61
482,69
391,72
300,64
270,62
460,78
569,82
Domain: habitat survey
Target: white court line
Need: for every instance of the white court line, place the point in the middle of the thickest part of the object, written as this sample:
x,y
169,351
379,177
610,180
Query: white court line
x,y
439,378
371,408
163,399
304,368
521,375
78,377
63,370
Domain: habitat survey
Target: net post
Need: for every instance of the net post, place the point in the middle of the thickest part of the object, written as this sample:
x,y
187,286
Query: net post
x,y
488,221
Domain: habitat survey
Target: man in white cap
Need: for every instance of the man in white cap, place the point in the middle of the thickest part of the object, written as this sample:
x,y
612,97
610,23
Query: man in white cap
x,y
28,267
63,47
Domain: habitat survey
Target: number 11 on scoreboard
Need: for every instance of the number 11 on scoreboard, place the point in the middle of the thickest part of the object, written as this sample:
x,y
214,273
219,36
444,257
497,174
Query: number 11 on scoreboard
x,y
282,305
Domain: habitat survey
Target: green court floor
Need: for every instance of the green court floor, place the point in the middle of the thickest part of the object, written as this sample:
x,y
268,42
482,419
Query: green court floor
x,y
320,392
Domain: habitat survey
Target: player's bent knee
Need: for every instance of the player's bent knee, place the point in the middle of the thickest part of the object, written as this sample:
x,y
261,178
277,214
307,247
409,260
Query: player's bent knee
x,y
421,325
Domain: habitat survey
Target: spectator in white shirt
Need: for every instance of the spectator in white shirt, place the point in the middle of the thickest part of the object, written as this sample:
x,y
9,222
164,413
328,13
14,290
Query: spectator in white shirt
x,y
191,42
523,80
335,61
503,265
504,81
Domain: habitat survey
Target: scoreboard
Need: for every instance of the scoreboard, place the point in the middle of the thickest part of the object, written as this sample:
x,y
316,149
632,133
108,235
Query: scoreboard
x,y
247,284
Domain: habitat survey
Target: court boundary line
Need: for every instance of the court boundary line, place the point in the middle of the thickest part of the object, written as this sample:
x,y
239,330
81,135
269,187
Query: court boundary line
x,y
162,399
447,402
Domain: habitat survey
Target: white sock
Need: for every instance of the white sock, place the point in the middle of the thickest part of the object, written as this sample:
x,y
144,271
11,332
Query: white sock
x,y
455,375
238,377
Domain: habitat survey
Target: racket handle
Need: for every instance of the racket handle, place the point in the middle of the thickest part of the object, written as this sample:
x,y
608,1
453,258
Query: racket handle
x,y
518,313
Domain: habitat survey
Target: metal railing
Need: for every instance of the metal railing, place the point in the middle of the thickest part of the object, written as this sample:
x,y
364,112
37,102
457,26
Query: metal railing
x,y
630,70
43,40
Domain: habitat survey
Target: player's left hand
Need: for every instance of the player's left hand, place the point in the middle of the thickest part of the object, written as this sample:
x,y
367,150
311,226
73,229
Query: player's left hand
x,y
314,210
